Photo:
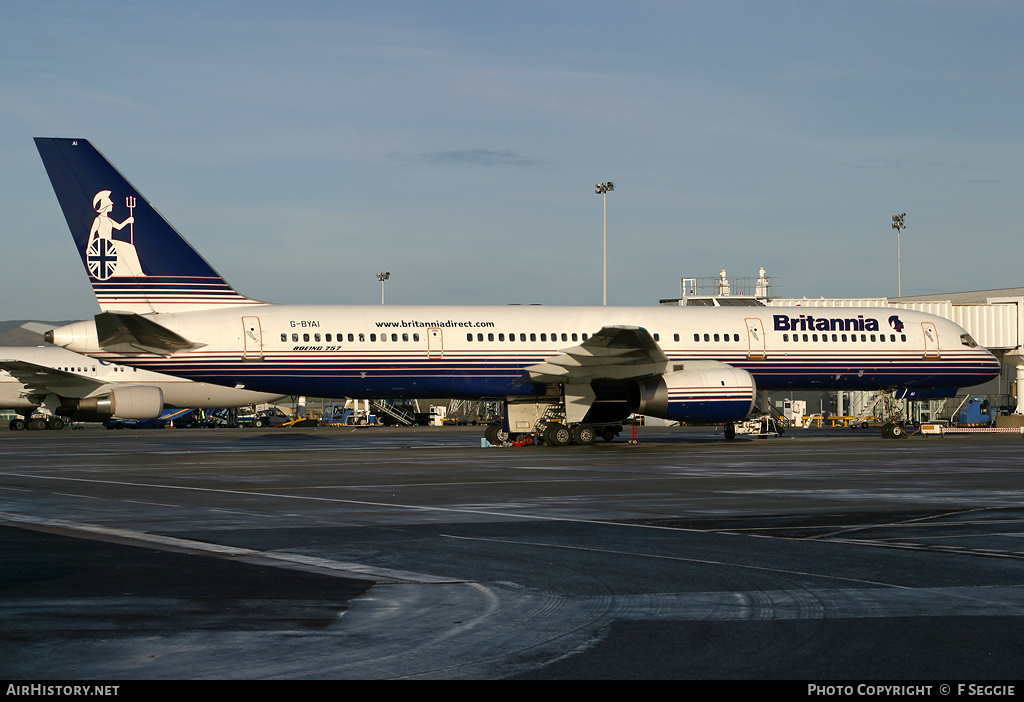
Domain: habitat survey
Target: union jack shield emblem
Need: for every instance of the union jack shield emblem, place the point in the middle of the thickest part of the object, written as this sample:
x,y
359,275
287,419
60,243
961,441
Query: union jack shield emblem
x,y
101,258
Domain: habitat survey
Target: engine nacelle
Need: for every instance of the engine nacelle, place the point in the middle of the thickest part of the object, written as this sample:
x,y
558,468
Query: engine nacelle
x,y
703,392
129,402
79,337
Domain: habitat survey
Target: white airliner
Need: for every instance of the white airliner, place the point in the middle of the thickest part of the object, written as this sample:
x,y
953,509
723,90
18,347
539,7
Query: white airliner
x,y
58,385
566,373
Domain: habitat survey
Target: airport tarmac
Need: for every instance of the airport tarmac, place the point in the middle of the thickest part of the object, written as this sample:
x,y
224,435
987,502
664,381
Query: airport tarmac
x,y
385,553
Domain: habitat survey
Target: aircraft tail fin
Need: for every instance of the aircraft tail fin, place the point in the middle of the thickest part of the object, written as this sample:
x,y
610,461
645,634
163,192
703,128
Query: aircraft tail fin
x,y
136,261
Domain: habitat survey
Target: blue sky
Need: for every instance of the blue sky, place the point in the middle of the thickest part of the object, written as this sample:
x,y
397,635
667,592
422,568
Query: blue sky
x,y
303,147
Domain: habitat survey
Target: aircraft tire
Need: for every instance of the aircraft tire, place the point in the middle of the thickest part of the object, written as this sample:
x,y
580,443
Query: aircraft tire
x,y
56,423
17,424
557,435
608,433
897,432
495,435
583,435
36,424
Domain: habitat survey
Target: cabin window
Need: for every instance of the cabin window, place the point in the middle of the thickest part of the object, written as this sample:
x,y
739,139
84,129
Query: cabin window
x,y
350,338
373,337
696,337
469,337
533,337
490,336
903,337
394,337
415,336
574,336
284,337
512,337
565,337
295,337
543,337
501,337
327,338
785,337
316,337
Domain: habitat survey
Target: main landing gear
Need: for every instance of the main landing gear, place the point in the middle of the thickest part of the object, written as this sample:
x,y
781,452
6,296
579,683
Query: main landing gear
x,y
38,423
553,434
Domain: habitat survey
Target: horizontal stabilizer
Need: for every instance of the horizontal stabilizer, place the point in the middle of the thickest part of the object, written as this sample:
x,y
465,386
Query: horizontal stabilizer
x,y
130,333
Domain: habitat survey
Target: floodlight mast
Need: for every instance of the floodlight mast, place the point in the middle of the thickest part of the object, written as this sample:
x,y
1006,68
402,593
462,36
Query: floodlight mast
x,y
898,225
382,277
603,189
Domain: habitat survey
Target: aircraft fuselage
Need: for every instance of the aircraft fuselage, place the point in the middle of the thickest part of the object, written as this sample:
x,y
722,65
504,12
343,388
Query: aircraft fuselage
x,y
482,351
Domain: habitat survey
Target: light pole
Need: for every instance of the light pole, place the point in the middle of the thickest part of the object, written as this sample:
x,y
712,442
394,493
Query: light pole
x,y
898,225
603,189
382,277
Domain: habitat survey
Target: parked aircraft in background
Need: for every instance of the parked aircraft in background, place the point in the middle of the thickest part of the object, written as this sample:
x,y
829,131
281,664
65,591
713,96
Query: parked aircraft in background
x,y
56,385
568,373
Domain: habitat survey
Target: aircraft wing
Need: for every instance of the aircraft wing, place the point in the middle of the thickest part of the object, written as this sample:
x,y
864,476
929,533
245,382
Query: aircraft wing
x,y
614,353
39,379
617,353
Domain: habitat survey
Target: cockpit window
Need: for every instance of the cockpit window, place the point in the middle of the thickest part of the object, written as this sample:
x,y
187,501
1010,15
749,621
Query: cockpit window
x,y
968,341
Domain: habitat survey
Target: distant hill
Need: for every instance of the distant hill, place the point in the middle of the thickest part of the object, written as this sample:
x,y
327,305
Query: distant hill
x,y
11,333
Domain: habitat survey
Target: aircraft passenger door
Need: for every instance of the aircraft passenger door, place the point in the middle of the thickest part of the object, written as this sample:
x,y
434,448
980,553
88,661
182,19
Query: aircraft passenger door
x,y
931,340
252,336
435,347
755,338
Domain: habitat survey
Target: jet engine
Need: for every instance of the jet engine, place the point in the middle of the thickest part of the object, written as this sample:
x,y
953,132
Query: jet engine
x,y
134,402
706,393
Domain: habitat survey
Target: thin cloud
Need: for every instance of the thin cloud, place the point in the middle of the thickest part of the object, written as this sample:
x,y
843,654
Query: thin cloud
x,y
473,157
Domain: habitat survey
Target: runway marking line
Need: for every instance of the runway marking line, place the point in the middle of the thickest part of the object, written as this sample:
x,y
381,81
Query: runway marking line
x,y
276,559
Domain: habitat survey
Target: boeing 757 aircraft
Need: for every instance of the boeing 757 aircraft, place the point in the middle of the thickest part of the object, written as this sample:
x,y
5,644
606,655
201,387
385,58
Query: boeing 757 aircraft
x,y
61,385
565,373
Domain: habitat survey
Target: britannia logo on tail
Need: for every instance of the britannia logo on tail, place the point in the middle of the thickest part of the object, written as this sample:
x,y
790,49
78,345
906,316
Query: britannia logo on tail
x,y
107,257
